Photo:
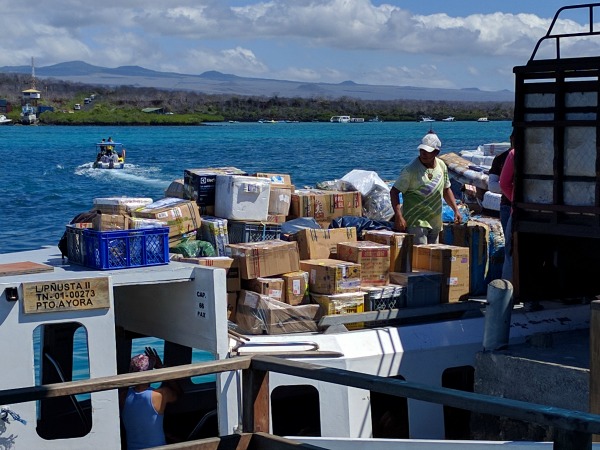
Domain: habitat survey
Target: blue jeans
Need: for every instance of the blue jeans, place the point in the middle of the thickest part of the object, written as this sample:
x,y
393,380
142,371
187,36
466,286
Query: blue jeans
x,y
507,267
504,215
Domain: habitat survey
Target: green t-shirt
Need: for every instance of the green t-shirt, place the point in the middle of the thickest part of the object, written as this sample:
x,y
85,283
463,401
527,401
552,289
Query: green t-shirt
x,y
422,192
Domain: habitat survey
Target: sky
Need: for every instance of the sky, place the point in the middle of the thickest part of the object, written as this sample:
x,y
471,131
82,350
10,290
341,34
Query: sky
x,y
423,43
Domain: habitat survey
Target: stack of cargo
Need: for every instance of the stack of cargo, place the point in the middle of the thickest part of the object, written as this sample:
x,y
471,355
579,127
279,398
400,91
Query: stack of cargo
x,y
324,206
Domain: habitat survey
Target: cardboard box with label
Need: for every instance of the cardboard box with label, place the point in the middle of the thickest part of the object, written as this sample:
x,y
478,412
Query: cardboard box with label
x,y
273,287
422,288
266,258
258,314
325,205
401,247
347,303
452,262
282,189
110,222
373,257
199,185
182,216
316,243
229,264
331,276
120,205
295,287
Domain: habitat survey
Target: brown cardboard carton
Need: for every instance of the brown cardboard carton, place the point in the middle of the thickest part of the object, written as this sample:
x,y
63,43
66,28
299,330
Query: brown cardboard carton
x,y
257,313
322,243
231,305
281,188
266,258
181,216
401,247
295,287
449,260
276,178
325,205
374,260
229,264
110,222
331,276
276,218
273,287
347,303
120,205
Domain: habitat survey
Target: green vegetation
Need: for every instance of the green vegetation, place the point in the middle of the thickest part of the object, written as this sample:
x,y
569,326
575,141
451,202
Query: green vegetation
x,y
123,106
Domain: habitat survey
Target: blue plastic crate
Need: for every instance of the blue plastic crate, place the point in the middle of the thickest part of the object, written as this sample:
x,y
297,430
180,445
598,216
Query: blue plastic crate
x,y
241,232
122,249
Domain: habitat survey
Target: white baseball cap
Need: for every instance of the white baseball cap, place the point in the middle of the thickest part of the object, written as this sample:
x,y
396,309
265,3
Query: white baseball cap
x,y
430,143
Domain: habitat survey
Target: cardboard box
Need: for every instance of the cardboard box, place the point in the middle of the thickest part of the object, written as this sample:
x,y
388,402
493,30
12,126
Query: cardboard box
x,y
229,264
110,222
348,303
240,197
486,251
374,260
422,288
322,243
276,178
331,276
401,247
182,216
258,314
120,205
295,287
232,298
266,258
281,187
276,218
325,205
199,185
273,287
452,262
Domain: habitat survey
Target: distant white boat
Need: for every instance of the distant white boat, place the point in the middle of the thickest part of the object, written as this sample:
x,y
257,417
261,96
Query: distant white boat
x,y
448,119
483,119
357,119
375,119
339,119
4,120
427,119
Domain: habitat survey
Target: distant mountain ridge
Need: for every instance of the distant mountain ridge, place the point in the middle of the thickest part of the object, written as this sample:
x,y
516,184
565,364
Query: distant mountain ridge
x,y
213,82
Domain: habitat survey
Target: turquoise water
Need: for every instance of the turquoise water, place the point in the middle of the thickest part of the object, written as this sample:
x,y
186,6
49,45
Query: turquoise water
x,y
46,176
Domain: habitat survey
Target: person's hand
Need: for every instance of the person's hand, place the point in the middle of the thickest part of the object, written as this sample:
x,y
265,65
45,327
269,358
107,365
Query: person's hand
x,y
400,224
457,217
153,354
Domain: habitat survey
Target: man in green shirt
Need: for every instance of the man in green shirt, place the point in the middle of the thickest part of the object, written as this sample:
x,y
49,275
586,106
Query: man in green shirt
x,y
423,183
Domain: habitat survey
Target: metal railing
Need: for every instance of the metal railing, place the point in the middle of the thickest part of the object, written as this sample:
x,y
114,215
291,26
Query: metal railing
x,y
573,429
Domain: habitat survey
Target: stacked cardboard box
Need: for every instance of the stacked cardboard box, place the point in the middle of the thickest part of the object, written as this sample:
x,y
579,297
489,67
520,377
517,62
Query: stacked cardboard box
x,y
295,287
325,205
181,216
322,243
347,303
273,287
257,314
265,259
120,205
401,247
331,276
449,260
374,260
281,188
229,264
199,185
111,222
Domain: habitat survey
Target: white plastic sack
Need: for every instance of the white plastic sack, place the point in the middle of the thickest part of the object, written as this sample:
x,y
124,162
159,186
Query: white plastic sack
x,y
374,191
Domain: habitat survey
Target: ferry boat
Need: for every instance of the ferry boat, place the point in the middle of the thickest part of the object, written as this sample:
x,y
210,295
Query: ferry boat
x,y
385,377
109,155
340,119
448,119
483,119
427,119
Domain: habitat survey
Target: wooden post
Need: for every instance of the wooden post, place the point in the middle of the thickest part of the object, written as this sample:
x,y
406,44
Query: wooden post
x,y
595,361
255,401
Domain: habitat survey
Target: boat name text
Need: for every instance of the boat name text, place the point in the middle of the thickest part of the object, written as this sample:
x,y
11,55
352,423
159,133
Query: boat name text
x,y
66,295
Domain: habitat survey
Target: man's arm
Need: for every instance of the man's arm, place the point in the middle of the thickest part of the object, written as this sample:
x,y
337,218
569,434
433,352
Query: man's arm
x,y
451,201
399,221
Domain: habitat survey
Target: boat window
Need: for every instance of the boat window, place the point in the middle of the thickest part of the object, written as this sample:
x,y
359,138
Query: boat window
x,y
389,415
457,421
61,354
295,411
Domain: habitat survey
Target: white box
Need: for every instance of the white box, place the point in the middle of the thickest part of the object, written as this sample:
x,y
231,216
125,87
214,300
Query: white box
x,y
239,197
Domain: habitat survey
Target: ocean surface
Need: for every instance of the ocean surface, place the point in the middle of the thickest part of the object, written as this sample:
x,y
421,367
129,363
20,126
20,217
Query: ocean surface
x,y
46,174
